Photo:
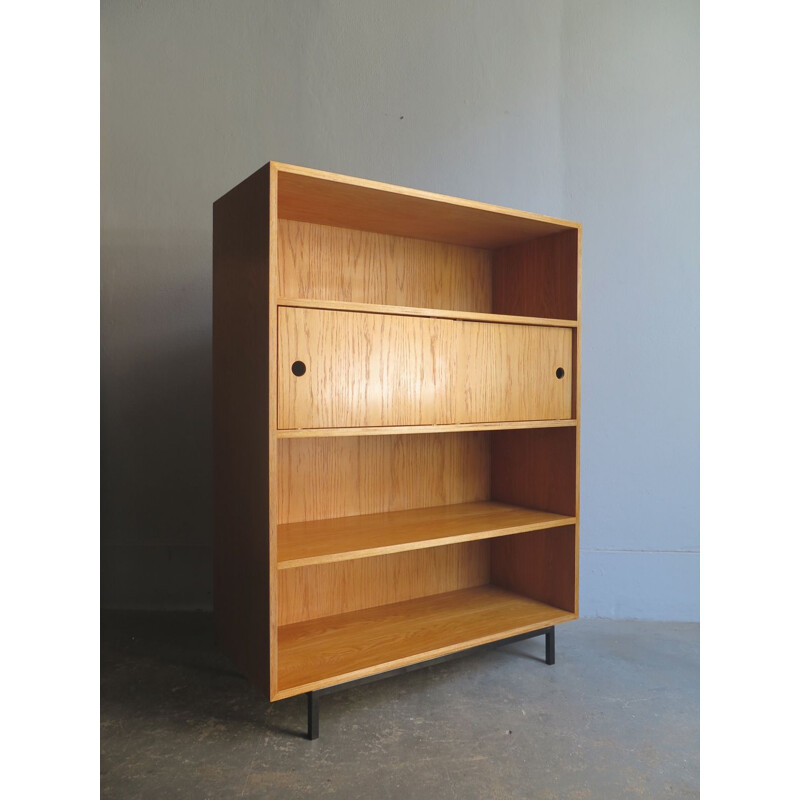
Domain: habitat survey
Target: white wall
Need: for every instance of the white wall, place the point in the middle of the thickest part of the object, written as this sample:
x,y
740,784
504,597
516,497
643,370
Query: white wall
x,y
582,109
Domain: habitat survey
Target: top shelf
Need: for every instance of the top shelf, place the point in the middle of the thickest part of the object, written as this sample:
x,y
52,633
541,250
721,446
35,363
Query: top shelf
x,y
309,195
375,308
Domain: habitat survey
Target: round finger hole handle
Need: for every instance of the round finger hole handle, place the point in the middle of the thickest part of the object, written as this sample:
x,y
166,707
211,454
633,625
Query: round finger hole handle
x,y
298,368
560,373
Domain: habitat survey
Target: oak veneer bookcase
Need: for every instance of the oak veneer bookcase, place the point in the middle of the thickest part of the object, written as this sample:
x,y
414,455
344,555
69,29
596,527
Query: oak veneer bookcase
x,y
396,427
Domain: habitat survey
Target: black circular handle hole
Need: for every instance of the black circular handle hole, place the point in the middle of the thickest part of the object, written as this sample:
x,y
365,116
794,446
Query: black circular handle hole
x,y
298,368
560,373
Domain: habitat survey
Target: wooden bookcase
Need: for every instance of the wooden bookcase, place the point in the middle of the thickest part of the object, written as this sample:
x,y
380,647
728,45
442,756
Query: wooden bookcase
x,y
396,427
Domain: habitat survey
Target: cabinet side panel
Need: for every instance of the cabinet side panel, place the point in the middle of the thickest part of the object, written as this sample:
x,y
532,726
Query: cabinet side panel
x,y
241,517
576,405
540,565
535,469
537,278
540,468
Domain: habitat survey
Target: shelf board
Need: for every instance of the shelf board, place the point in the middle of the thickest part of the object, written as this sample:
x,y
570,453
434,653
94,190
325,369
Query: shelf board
x,y
324,198
301,544
388,430
329,650
408,311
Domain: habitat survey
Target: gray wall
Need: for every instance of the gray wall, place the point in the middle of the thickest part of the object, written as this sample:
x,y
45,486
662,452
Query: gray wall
x,y
585,109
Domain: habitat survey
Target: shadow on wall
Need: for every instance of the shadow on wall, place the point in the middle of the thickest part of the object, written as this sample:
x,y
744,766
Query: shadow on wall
x,y
156,508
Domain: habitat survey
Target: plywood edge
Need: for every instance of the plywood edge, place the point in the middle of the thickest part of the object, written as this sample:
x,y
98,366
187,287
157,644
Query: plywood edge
x,y
576,412
556,619
402,547
272,427
308,172
439,313
461,427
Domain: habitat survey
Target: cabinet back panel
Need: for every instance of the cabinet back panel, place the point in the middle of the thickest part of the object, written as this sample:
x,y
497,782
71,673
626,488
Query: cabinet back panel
x,y
325,589
340,477
324,263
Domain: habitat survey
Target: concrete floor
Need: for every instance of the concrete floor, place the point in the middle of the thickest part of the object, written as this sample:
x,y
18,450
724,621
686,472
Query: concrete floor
x,y
616,717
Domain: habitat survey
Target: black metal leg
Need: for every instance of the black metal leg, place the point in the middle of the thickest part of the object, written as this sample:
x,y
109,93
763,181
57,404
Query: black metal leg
x,y
313,698
313,715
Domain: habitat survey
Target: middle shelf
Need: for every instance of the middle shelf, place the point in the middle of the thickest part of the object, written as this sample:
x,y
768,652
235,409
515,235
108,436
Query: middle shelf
x,y
323,541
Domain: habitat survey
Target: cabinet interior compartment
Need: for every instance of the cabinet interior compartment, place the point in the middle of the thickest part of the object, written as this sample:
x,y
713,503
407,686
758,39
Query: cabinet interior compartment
x,y
356,570
449,260
345,620
327,477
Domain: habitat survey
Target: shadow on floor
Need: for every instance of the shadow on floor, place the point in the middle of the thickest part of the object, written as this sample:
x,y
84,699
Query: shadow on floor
x,y
616,717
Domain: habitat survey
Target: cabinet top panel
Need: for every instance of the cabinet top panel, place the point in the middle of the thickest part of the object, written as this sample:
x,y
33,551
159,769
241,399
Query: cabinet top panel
x,y
309,195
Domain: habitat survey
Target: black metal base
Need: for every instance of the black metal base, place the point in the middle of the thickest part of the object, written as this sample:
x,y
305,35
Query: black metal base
x,y
313,697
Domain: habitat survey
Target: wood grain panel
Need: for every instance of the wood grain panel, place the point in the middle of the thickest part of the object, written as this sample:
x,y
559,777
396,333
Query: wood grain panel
x,y
508,372
364,369
377,308
345,202
325,263
345,538
332,650
382,369
539,565
330,477
535,469
240,415
459,427
272,354
537,278
324,589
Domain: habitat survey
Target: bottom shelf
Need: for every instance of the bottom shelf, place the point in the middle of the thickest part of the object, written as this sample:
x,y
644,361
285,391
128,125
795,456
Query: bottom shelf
x,y
322,652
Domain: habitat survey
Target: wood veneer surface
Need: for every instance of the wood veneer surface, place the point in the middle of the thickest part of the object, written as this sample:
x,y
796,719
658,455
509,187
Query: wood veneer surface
x,y
539,565
427,311
240,417
307,237
381,369
342,264
340,477
336,588
342,201
334,649
345,538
